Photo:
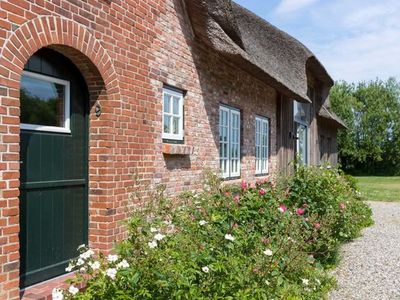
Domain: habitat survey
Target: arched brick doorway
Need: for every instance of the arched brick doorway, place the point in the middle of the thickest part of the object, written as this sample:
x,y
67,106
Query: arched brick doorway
x,y
53,206
77,44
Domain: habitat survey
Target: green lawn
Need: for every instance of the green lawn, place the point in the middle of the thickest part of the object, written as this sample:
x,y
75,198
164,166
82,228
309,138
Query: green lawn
x,y
380,188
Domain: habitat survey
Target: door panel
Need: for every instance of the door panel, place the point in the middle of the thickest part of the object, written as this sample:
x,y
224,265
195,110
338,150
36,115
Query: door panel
x,y
54,198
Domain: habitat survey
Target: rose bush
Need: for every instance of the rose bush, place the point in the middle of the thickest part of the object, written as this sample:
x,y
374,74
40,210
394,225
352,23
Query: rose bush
x,y
254,241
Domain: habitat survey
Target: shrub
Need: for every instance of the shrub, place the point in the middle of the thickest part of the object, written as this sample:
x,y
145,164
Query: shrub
x,y
333,201
259,241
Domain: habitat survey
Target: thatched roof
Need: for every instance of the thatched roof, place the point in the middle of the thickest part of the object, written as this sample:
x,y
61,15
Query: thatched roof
x,y
330,116
256,46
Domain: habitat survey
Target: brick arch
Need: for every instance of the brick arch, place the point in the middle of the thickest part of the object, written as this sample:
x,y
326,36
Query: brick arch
x,y
48,31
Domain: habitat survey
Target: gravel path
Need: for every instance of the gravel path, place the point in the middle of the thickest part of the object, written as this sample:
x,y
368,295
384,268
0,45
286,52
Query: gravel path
x,y
370,265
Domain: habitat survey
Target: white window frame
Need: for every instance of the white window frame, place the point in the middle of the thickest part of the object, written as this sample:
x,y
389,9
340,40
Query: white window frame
x,y
67,100
229,173
173,93
262,162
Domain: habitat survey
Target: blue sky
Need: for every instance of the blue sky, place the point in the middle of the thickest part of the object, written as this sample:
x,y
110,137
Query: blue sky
x,y
355,39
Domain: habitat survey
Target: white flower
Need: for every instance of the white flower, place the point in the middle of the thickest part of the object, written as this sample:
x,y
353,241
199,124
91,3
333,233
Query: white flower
x,y
81,246
153,230
82,269
202,223
95,265
152,244
305,281
87,254
168,222
73,290
268,252
112,258
267,282
205,269
229,237
69,268
318,281
80,262
57,294
159,237
111,273
123,264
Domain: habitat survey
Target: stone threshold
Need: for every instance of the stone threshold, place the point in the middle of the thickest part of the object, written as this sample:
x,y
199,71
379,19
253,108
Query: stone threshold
x,y
43,290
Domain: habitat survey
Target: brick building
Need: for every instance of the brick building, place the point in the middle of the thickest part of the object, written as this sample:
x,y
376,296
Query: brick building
x,y
93,92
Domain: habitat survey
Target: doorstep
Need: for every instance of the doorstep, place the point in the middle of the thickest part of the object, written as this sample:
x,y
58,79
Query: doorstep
x,y
43,290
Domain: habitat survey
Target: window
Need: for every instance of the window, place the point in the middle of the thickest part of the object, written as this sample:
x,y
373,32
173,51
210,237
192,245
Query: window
x,y
302,143
262,142
172,114
229,141
45,103
301,113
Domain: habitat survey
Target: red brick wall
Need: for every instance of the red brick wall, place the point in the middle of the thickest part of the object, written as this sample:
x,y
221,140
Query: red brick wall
x,y
126,50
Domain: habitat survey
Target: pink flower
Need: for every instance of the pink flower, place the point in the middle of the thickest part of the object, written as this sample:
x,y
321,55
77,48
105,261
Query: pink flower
x,y
253,186
235,226
265,241
236,199
300,211
227,194
282,208
342,206
306,219
244,185
266,180
317,225
262,192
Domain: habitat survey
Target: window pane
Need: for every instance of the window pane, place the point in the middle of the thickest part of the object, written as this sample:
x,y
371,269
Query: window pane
x,y
176,105
225,150
167,124
42,102
167,103
175,125
302,143
301,111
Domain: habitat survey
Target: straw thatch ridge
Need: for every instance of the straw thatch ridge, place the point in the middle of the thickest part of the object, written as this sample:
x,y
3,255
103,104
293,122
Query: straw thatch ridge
x,y
256,46
330,116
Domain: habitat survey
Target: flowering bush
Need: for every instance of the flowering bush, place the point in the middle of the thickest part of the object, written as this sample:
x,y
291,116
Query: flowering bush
x,y
333,201
258,241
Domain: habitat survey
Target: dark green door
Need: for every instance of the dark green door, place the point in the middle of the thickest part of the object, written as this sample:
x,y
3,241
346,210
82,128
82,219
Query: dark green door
x,y
54,162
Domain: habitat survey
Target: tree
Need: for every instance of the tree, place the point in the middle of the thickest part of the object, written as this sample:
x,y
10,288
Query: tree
x,y
371,111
